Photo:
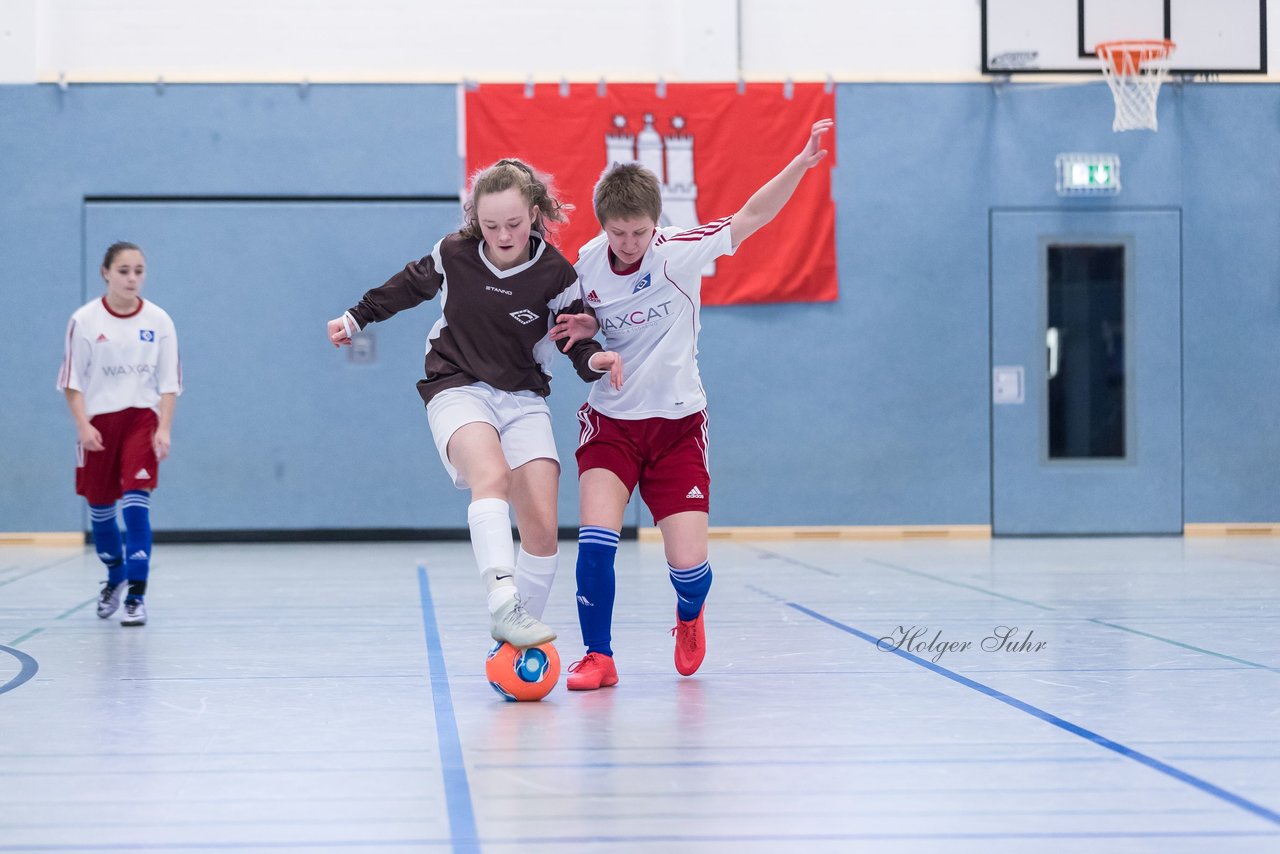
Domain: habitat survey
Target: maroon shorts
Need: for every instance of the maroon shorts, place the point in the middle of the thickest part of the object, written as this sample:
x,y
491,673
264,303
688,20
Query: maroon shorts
x,y
127,461
667,457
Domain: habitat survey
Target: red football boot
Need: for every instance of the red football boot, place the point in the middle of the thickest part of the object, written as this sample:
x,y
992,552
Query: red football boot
x,y
691,643
595,670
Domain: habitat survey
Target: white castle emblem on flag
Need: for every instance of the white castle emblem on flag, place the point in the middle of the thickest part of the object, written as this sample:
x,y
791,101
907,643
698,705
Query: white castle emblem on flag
x,y
671,159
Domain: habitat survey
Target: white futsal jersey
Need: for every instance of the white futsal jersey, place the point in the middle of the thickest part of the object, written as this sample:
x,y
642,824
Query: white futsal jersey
x,y
121,361
650,316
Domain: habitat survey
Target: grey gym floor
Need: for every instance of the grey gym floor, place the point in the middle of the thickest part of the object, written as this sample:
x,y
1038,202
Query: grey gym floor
x,y
317,697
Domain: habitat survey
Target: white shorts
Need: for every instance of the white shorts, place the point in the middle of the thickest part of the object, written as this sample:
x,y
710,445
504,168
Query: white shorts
x,y
522,419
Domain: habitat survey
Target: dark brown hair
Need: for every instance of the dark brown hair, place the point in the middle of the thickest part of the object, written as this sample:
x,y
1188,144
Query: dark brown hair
x,y
115,249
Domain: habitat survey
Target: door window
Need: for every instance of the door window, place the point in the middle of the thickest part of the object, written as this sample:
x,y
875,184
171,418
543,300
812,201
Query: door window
x,y
1085,347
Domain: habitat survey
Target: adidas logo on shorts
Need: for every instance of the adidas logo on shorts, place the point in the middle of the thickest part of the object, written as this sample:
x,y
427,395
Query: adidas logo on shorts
x,y
141,475
695,493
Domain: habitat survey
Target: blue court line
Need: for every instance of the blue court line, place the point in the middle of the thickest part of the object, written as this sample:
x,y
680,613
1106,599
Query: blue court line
x,y
29,668
1127,752
457,791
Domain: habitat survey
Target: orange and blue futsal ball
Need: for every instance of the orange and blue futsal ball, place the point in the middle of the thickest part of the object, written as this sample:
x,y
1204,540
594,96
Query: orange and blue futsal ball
x,y
523,674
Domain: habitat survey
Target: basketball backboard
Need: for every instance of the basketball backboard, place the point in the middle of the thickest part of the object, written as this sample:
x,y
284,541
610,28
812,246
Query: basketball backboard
x,y
1058,36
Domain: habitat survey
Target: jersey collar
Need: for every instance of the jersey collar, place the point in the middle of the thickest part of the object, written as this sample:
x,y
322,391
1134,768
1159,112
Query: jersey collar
x,y
627,271
536,246
114,313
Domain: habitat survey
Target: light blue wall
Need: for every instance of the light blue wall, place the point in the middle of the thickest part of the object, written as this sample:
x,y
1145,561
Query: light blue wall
x,y
1231,310
58,147
870,410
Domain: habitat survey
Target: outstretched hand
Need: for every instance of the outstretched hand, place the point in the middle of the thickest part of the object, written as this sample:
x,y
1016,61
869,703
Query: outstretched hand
x,y
572,328
812,153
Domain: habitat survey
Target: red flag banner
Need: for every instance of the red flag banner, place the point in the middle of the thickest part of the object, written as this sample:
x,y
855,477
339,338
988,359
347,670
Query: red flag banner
x,y
710,145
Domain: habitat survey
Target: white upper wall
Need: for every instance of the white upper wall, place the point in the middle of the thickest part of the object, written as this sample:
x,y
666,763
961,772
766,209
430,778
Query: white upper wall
x,y
859,39
19,40
421,40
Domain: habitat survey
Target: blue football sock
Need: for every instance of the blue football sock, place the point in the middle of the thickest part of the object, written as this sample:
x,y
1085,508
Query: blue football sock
x,y
691,588
107,541
597,548
136,509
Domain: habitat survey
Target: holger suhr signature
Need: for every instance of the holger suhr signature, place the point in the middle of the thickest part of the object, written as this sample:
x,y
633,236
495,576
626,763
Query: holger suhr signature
x,y
916,640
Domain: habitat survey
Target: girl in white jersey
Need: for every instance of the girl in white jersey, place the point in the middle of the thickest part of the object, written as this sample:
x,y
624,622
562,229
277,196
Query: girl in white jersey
x,y
644,285
487,372
121,376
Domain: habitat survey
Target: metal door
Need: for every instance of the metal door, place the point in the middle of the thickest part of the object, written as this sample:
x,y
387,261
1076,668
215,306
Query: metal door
x,y
1086,346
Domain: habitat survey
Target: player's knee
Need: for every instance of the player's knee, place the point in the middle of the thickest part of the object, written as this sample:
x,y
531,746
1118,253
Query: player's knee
x,y
490,482
538,532
540,541
686,557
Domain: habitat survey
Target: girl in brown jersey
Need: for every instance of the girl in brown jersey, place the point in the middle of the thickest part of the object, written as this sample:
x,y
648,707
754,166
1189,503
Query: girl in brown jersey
x,y
487,372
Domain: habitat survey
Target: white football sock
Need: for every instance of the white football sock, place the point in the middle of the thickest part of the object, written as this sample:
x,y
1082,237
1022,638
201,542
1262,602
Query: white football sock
x,y
490,522
533,579
500,585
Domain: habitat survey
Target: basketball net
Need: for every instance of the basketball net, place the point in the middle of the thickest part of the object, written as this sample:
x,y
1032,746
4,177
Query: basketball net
x,y
1134,70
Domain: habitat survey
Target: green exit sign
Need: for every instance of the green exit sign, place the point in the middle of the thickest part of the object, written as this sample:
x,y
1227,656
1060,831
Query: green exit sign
x,y
1088,174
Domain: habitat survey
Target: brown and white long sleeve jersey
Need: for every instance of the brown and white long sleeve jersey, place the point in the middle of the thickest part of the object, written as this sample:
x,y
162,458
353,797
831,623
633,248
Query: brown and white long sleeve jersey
x,y
493,323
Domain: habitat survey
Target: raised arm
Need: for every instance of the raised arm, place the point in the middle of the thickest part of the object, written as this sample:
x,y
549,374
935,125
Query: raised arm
x,y
765,203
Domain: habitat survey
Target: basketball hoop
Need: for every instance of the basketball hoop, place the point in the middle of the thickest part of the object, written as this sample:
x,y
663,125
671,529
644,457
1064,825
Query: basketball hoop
x,y
1134,69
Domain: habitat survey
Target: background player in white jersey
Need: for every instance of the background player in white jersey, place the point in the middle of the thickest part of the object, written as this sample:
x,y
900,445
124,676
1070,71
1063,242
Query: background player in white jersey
x,y
644,284
121,375
488,370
